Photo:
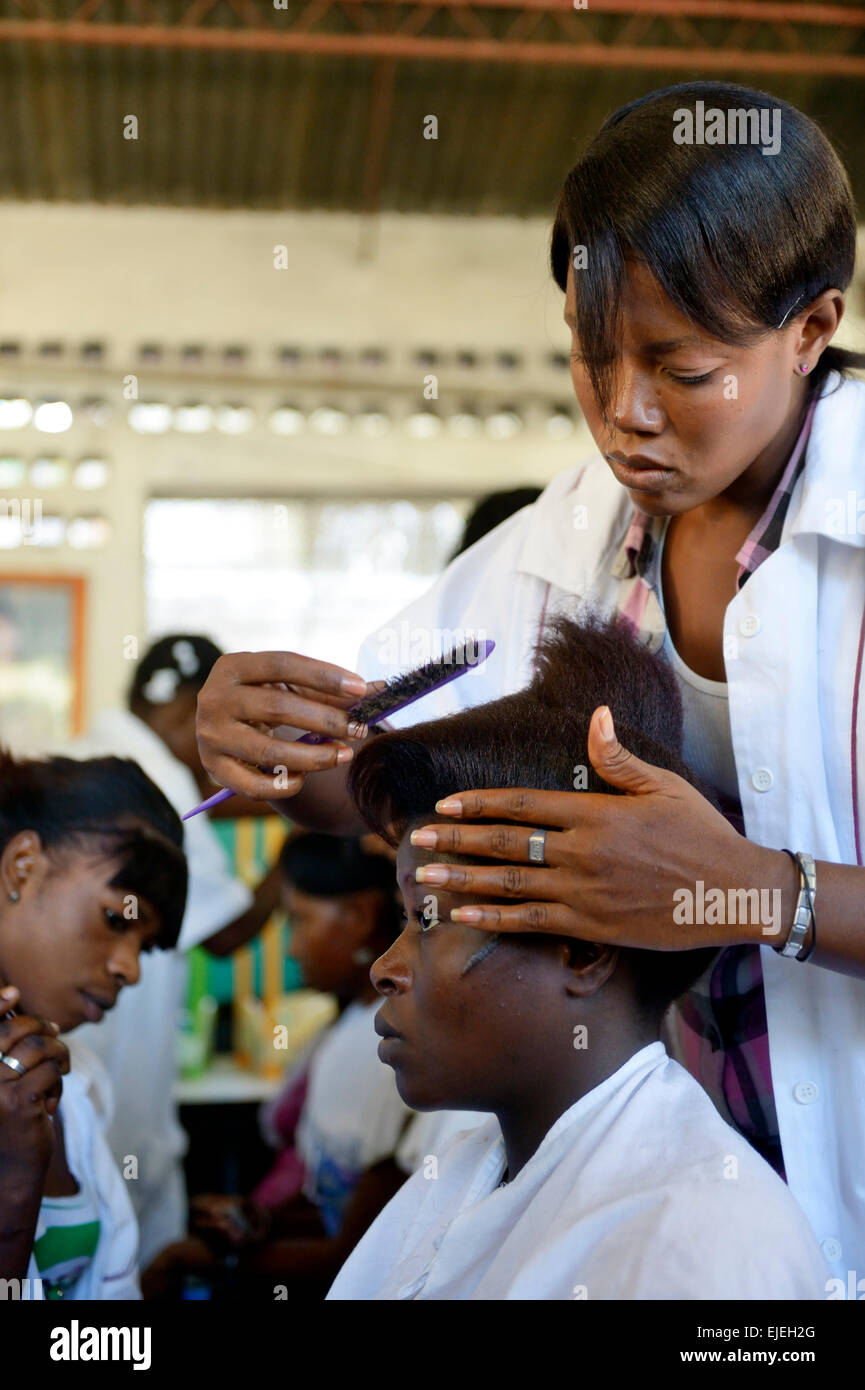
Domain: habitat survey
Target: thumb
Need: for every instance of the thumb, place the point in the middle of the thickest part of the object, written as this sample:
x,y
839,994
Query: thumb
x,y
615,764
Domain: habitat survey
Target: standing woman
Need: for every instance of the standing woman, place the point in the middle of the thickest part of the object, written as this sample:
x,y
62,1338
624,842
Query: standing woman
x,y
724,516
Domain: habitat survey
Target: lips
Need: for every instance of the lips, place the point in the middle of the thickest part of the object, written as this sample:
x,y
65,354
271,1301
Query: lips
x,y
640,473
639,461
96,1005
384,1029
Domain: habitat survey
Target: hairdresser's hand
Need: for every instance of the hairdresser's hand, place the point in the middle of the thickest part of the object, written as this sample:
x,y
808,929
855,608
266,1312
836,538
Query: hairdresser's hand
x,y
246,700
615,865
27,1102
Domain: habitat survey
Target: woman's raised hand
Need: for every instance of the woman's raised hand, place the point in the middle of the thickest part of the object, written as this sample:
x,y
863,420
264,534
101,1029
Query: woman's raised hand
x,y
614,866
247,701
28,1098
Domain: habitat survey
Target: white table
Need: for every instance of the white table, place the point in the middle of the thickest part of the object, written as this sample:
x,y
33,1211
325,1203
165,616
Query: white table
x,y
225,1083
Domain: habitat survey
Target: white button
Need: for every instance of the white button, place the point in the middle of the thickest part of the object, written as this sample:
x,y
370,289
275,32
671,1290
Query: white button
x,y
831,1249
805,1092
750,625
761,779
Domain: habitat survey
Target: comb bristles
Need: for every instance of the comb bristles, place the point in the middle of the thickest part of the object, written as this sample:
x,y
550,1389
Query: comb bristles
x,y
410,685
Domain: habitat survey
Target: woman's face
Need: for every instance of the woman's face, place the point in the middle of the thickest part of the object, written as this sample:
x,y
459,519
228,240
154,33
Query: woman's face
x,y
71,941
325,932
700,436
465,1038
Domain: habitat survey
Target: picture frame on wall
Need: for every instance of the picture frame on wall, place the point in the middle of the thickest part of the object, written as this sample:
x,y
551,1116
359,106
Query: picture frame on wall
x,y
41,660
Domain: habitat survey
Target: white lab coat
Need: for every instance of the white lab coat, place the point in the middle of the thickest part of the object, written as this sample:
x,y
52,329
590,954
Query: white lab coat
x,y
790,642
136,1041
638,1191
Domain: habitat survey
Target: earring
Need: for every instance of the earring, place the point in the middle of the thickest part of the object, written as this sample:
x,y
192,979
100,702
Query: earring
x,y
362,956
14,896
803,367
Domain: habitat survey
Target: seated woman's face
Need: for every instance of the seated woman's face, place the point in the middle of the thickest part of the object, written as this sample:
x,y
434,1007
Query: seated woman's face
x,y
71,943
461,1032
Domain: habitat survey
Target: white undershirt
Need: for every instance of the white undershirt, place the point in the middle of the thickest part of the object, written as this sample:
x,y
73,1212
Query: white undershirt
x,y
707,744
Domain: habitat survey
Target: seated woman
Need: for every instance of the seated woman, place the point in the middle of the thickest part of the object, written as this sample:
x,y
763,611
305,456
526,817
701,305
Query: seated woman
x,y
92,872
607,1173
340,899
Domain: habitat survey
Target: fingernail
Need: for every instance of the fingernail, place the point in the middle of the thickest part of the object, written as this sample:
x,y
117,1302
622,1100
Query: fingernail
x,y
55,1026
606,724
356,730
8,992
425,839
466,914
450,806
431,873
345,755
353,685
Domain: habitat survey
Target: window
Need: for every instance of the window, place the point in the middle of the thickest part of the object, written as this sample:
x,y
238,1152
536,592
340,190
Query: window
x,y
314,576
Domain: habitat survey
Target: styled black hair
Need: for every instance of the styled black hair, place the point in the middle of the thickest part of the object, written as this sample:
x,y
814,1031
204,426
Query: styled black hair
x,y
107,804
332,866
179,661
538,738
741,241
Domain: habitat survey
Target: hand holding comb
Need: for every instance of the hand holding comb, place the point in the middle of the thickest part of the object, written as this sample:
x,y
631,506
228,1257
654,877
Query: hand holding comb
x,y
402,690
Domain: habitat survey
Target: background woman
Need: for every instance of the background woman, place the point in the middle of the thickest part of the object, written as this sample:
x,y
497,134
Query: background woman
x,y
92,872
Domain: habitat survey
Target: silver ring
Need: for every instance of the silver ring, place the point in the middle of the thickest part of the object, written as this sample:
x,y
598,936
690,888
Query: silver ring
x,y
537,840
13,1063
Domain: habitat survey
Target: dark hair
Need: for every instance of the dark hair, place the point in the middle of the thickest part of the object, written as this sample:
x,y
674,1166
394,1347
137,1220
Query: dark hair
x,y
537,738
332,866
738,239
181,661
107,803
491,511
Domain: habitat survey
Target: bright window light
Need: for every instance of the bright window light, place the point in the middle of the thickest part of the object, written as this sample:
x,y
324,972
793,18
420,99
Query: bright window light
x,y
504,424
234,419
49,472
52,417
150,417
49,532
87,532
424,425
286,419
13,472
193,418
91,474
15,413
373,423
11,532
327,420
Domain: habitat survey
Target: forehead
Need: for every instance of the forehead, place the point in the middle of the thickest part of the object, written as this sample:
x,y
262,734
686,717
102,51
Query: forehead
x,y
409,856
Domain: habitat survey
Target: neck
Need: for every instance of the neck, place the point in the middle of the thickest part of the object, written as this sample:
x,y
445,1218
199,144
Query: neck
x,y
526,1122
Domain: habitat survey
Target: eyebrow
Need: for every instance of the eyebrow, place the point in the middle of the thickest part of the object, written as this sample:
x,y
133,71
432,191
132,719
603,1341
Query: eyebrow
x,y
665,345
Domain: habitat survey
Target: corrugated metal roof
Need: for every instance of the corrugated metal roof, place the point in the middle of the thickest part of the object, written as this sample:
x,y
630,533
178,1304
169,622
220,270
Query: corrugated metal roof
x,y
234,127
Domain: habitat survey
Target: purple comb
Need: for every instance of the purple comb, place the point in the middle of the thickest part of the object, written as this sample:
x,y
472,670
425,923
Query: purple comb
x,y
400,691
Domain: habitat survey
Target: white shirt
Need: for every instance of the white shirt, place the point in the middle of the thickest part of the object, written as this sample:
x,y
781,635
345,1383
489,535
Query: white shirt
x,y
790,643
429,1131
112,1272
639,1191
352,1117
136,1041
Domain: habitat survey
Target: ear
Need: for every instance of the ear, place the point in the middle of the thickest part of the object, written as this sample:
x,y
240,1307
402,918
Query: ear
x,y
18,862
589,966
